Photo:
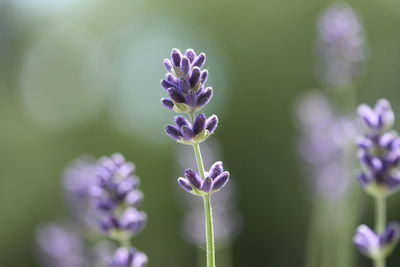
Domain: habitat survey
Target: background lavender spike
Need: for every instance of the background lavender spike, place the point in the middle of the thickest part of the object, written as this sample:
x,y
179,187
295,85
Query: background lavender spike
x,y
78,178
326,148
341,46
60,245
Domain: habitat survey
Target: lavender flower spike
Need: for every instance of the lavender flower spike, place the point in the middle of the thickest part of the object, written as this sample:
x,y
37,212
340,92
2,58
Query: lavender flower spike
x,y
379,150
341,45
116,197
373,245
185,85
185,82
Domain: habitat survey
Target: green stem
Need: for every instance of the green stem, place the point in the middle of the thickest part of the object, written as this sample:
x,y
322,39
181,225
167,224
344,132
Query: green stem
x,y
380,223
207,207
209,231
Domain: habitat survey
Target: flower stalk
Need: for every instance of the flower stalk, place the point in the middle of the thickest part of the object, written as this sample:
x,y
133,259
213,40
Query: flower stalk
x,y
185,86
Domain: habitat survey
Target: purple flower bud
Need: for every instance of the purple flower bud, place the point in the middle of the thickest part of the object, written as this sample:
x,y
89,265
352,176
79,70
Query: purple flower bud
x,y
185,65
216,169
167,103
194,77
133,221
366,241
205,97
193,178
220,181
139,260
184,86
167,64
373,245
364,179
187,133
176,57
191,99
184,183
212,123
127,257
172,132
175,95
191,55
206,185
181,121
167,84
204,76
200,60
199,124
134,198
391,235
368,116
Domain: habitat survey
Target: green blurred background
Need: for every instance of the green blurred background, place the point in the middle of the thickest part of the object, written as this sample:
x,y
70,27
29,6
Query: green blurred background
x,y
80,77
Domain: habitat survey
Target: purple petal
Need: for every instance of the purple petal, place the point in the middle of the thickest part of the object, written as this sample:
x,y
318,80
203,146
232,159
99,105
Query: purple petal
x,y
220,181
167,64
216,169
185,65
212,123
199,61
187,132
181,121
191,55
204,98
207,185
193,178
184,183
194,77
173,132
175,95
199,124
176,57
204,76
167,103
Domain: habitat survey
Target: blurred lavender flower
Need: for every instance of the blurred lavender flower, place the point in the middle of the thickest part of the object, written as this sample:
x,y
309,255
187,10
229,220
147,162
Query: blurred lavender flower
x,y
373,245
124,257
185,82
78,178
341,45
379,150
61,245
323,145
116,197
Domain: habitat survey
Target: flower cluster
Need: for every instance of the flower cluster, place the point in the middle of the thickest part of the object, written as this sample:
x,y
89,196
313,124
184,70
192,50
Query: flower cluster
x,y
186,133
379,155
116,197
325,139
185,82
60,245
216,178
127,257
341,45
373,245
101,193
379,150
